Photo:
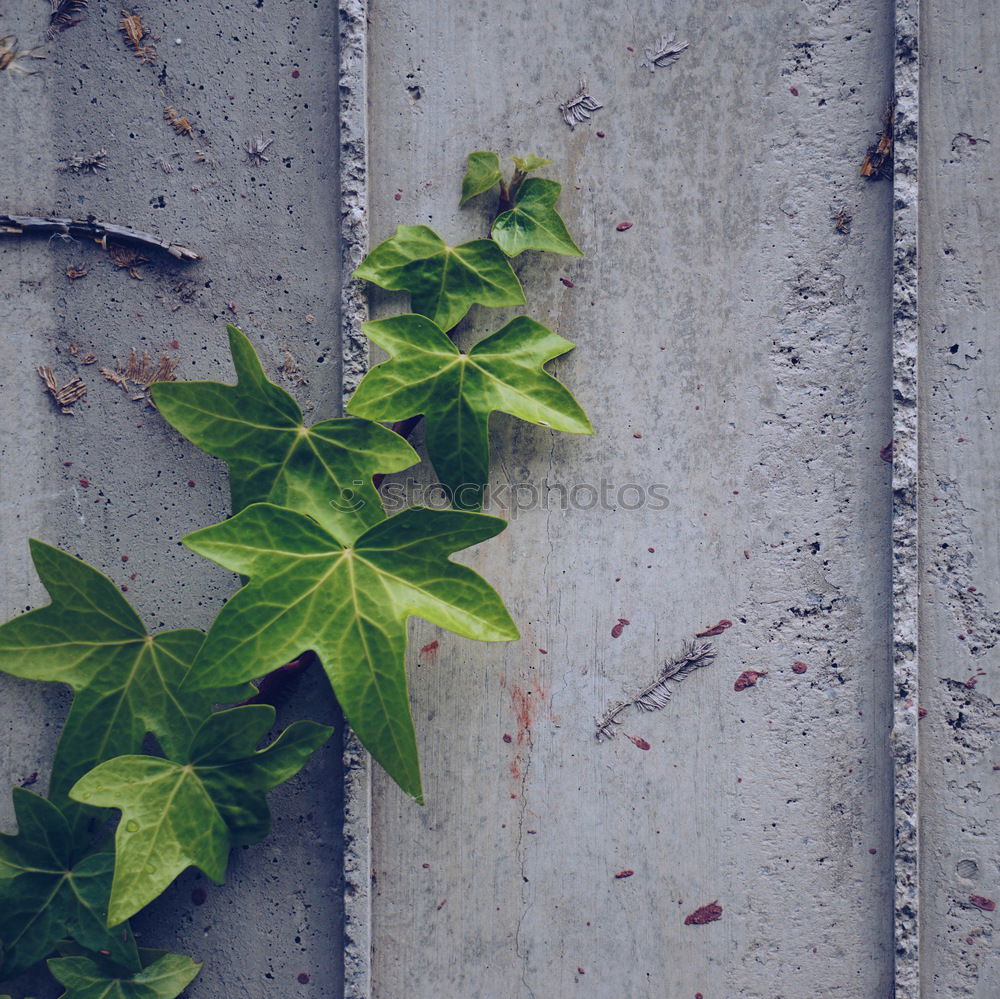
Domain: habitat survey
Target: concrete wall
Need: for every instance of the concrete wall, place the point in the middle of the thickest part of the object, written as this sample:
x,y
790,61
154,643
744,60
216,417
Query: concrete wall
x,y
736,346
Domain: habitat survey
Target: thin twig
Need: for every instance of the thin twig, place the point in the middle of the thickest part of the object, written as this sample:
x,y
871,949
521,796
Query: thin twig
x,y
90,228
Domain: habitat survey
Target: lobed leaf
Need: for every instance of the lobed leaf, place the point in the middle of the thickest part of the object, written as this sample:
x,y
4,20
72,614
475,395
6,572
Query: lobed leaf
x,y
324,470
456,392
444,281
46,893
189,811
533,223
84,978
525,164
482,173
350,605
126,682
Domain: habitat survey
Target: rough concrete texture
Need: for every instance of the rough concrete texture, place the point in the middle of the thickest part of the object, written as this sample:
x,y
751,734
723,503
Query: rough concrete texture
x,y
733,346
269,235
960,558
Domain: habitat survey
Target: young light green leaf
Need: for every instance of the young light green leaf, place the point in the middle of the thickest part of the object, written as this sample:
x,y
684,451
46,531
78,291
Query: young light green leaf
x,y
126,681
533,223
482,173
190,811
47,894
349,604
457,392
324,470
444,281
525,164
166,978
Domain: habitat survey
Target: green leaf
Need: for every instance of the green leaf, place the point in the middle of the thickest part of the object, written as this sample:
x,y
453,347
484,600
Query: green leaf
x,y
444,281
528,163
166,978
126,682
533,223
46,894
482,173
324,470
189,811
457,392
349,604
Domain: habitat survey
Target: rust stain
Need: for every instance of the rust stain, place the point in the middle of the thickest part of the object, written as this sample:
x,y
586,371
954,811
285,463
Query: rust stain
x,y
430,648
524,711
716,629
748,678
705,914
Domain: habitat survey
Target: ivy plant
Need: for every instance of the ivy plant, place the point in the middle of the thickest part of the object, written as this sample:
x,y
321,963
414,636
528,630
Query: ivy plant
x,y
150,776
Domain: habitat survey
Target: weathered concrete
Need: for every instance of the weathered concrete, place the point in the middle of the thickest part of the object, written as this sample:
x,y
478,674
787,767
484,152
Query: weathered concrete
x,y
733,346
269,235
960,458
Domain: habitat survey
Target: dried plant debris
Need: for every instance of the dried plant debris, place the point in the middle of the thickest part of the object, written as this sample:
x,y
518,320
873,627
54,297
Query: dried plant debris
x,y
138,37
15,61
73,391
139,373
65,13
127,258
665,52
290,370
842,221
577,109
86,164
180,124
75,273
255,148
878,159
656,693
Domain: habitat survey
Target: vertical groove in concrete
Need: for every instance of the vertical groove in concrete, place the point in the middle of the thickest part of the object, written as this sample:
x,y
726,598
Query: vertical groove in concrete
x,y
906,572
354,310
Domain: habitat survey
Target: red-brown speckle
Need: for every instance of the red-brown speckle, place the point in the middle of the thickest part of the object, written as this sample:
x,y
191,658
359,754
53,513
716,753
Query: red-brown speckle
x,y
295,74
441,904
886,452
543,652
524,711
190,483
748,678
986,904
624,226
84,483
567,282
124,558
624,874
580,971
398,196
706,914
638,437
302,978
716,629
68,464
799,668
872,850
175,345
794,91
746,554
637,741
430,648
970,589
698,995
124,587
600,135
616,631
507,738
198,896
921,712
651,550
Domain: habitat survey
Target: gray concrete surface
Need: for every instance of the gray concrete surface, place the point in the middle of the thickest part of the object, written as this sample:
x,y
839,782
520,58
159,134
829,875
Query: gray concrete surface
x,y
960,455
270,238
735,347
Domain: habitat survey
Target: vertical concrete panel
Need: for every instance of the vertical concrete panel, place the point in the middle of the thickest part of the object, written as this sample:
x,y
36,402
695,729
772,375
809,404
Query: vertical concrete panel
x,y
733,348
960,556
269,234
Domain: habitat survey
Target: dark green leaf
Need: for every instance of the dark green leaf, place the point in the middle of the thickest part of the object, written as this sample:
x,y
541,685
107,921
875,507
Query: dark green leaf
x,y
189,811
46,895
349,604
533,223
127,682
525,164
482,173
166,978
444,281
324,470
457,392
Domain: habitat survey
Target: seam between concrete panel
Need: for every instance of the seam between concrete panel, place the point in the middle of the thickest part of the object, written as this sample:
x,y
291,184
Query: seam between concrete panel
x,y
905,523
353,110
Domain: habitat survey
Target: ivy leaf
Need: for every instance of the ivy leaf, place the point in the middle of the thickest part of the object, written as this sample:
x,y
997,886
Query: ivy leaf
x,y
324,470
525,164
444,281
349,604
188,812
457,392
46,894
482,173
533,223
126,682
166,978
